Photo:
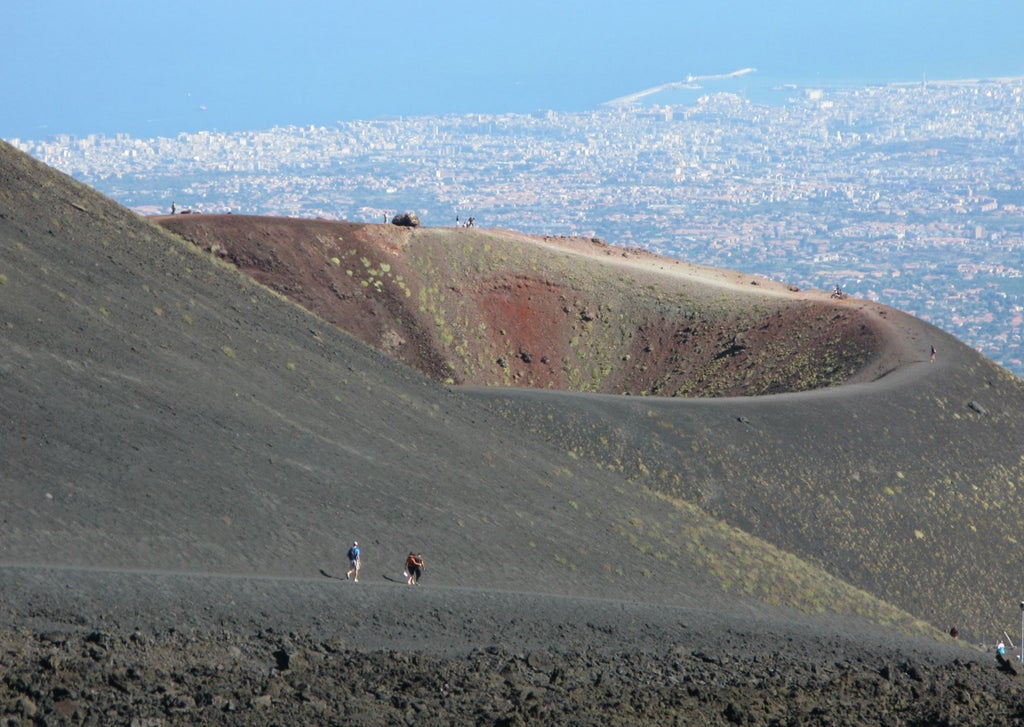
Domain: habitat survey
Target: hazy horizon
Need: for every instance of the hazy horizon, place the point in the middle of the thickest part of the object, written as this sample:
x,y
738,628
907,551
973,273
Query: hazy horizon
x,y
125,67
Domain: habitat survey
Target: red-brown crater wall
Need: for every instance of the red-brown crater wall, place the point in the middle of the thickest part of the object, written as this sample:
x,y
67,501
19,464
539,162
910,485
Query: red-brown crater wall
x,y
493,308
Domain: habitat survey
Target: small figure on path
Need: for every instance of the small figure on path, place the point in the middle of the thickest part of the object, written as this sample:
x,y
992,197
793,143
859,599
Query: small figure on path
x,y
933,353
954,632
174,208
355,561
413,568
1008,665
410,560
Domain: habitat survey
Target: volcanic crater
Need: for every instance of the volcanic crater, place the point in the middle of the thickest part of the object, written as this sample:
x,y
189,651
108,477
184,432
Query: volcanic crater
x,y
496,308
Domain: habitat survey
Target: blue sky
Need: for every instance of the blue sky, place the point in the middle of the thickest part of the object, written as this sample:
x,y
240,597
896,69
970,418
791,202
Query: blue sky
x,y
155,69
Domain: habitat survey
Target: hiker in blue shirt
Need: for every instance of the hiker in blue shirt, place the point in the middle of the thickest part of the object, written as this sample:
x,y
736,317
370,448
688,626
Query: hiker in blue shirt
x,y
354,561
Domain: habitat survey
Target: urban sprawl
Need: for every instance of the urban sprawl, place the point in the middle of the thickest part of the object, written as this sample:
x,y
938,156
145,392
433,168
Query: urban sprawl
x,y
908,194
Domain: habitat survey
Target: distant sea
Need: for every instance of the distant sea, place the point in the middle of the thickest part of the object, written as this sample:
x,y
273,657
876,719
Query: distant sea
x,y
134,116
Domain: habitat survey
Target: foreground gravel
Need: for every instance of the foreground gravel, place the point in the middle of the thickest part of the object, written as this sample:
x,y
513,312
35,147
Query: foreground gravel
x,y
97,677
152,649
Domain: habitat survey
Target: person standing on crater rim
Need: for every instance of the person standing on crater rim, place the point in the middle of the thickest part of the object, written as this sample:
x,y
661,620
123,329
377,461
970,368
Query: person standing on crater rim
x,y
355,561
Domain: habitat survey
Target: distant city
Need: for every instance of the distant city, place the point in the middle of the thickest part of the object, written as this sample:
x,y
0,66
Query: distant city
x,y
907,194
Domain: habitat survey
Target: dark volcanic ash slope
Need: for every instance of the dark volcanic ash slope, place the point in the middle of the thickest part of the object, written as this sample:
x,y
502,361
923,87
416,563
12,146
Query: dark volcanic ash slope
x,y
902,480
163,412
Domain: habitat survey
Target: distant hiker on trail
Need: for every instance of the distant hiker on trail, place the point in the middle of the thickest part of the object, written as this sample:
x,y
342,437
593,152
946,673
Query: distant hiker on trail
x,y
933,353
413,568
173,208
1008,665
355,561
410,560
954,632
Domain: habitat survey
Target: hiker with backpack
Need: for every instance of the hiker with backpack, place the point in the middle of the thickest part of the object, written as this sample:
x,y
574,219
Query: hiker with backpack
x,y
354,561
413,568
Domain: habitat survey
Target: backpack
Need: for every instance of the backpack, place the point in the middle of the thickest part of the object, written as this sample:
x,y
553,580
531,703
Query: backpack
x,y
353,553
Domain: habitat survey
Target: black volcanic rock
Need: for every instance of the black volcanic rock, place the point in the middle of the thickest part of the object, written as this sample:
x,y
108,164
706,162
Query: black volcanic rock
x,y
406,219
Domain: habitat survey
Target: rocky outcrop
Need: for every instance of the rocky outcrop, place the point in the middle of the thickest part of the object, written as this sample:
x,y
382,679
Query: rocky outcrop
x,y
406,219
267,677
